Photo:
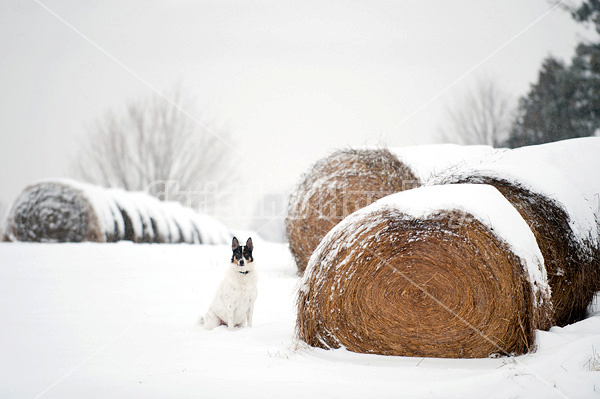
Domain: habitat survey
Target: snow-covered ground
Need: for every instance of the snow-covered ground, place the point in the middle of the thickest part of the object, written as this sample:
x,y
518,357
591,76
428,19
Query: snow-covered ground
x,y
119,321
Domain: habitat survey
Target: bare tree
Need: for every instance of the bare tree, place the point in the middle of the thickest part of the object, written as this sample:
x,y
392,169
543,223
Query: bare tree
x,y
154,146
483,116
3,210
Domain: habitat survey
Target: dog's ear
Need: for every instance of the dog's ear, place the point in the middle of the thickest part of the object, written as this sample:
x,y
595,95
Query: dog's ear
x,y
234,243
249,244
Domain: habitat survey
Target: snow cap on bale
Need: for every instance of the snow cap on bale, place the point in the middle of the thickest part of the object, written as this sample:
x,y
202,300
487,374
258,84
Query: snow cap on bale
x,y
555,189
64,210
426,161
448,271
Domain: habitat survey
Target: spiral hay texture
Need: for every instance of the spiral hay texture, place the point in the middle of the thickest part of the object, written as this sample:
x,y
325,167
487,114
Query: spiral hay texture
x,y
538,182
350,179
424,273
69,211
335,187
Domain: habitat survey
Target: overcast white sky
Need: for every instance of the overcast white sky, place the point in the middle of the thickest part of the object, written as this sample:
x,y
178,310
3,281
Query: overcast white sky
x,y
292,80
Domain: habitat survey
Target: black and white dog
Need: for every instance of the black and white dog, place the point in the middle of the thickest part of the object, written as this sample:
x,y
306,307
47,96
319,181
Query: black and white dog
x,y
233,304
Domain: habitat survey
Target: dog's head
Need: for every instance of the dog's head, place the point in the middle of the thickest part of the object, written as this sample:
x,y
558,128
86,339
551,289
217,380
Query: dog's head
x,y
242,254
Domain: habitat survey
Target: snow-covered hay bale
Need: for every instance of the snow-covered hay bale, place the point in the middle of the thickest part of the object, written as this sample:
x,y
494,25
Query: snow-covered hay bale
x,y
350,179
555,189
448,271
69,211
336,186
53,212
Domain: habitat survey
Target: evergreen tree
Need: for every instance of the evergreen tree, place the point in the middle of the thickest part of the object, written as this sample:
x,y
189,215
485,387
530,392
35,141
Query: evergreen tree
x,y
565,101
545,114
588,11
586,71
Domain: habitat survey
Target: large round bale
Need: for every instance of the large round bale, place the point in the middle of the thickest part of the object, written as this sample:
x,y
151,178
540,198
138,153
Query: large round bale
x,y
350,179
448,271
555,189
69,211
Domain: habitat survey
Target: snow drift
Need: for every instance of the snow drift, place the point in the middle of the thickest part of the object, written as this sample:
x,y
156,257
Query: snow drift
x,y
446,271
69,211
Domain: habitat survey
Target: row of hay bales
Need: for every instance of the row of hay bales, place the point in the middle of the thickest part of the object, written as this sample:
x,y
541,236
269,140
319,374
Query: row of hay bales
x,y
470,265
64,210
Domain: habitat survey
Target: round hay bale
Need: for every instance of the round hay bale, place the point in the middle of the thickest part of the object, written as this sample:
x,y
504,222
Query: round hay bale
x,y
541,183
53,212
336,186
449,271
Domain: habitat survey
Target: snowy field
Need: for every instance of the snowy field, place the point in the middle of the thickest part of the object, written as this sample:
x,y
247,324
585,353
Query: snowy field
x,y
119,321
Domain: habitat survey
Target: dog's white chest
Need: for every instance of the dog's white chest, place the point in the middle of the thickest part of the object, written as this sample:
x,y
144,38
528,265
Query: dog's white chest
x,y
238,289
235,296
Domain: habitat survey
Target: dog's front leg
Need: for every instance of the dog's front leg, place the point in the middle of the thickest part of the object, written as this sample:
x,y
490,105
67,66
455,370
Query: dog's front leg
x,y
249,315
230,316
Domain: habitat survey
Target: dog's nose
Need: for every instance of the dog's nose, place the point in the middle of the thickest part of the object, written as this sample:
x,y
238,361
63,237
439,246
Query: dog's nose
x,y
241,262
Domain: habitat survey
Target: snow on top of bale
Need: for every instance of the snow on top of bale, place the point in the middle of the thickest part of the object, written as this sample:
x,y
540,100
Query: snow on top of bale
x,y
426,161
564,171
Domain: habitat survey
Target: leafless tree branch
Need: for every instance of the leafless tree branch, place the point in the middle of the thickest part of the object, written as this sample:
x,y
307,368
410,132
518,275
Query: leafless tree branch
x,y
153,141
483,116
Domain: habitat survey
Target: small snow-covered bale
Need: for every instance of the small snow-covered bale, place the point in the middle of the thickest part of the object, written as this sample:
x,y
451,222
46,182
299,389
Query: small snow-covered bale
x,y
350,179
555,189
447,271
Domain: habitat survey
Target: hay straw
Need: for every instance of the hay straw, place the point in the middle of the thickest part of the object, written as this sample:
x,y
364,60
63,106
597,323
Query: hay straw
x,y
371,283
336,186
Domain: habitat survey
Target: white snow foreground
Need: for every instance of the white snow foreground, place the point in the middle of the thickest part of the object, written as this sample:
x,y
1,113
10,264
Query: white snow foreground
x,y
119,321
